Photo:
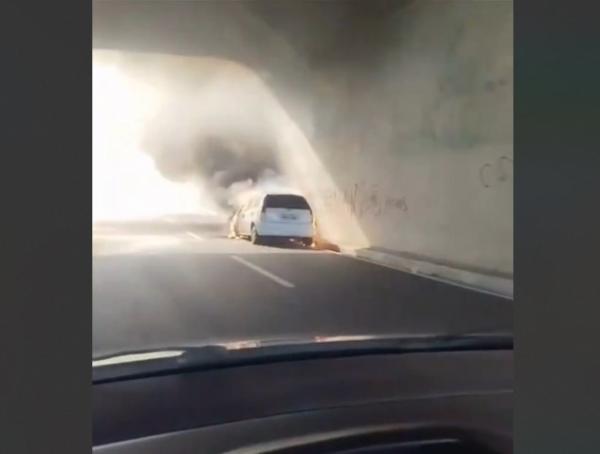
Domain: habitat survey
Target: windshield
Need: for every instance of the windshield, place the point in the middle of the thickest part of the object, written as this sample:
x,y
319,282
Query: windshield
x,y
217,127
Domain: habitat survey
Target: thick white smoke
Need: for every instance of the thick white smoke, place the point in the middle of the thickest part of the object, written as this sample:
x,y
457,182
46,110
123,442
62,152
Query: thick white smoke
x,y
217,128
126,182
205,124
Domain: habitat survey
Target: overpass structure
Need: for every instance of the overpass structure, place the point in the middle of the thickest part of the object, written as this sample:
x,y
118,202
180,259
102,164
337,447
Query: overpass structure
x,y
397,115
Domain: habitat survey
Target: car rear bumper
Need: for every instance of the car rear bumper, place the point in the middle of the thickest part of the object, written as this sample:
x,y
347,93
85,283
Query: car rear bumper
x,y
285,229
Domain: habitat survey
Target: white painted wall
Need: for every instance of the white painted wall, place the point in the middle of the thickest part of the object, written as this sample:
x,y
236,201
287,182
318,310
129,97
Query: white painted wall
x,y
421,147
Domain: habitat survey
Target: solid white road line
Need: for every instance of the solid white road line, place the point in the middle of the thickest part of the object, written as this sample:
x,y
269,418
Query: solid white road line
x,y
264,272
196,237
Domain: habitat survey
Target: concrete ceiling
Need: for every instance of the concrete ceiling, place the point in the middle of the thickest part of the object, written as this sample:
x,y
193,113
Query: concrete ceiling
x,y
320,32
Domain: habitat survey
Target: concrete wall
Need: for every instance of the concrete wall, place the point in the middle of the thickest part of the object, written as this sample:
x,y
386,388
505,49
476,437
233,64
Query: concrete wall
x,y
420,144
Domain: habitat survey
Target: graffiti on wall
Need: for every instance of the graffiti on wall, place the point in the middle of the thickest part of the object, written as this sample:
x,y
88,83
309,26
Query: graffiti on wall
x,y
495,173
363,199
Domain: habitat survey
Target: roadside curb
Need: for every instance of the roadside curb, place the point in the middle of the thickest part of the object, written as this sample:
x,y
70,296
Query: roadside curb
x,y
484,283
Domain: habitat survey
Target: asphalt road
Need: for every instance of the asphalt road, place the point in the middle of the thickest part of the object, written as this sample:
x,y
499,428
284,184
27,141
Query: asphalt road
x,y
174,283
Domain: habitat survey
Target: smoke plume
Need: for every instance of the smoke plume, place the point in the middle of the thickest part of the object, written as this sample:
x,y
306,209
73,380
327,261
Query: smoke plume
x,y
219,134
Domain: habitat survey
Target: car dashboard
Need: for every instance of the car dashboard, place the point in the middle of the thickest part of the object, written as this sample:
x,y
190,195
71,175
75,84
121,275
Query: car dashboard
x,y
421,403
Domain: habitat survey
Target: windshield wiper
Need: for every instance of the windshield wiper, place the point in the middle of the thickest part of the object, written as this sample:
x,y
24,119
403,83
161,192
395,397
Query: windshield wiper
x,y
142,364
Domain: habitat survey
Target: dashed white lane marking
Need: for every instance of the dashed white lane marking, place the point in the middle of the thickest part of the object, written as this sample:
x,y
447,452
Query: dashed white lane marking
x,y
194,236
264,272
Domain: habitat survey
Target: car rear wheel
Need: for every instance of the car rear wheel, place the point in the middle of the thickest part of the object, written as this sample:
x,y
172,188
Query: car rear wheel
x,y
255,238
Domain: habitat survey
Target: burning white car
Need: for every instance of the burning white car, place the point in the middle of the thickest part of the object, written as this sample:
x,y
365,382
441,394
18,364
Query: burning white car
x,y
274,216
